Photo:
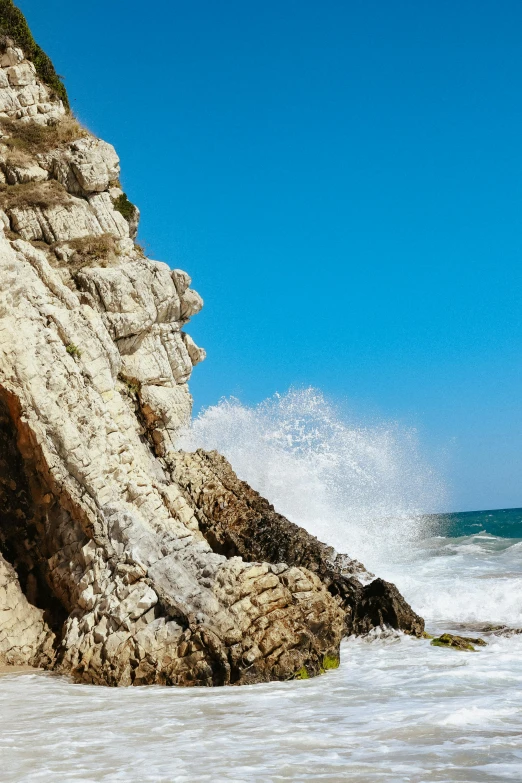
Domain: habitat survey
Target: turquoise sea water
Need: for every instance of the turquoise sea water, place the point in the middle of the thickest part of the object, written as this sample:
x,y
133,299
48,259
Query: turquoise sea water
x,y
504,523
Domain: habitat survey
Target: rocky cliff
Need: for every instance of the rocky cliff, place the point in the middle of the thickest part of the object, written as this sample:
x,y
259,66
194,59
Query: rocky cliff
x,y
123,560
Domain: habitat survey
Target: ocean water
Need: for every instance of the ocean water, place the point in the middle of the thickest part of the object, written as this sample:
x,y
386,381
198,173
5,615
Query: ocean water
x,y
396,710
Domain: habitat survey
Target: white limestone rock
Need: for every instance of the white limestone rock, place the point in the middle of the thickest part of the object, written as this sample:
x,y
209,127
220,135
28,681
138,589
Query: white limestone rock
x,y
55,223
19,175
85,166
195,353
20,75
22,94
94,365
12,55
147,598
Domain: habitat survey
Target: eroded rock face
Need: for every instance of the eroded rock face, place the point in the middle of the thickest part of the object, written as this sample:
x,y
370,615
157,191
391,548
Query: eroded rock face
x,y
137,563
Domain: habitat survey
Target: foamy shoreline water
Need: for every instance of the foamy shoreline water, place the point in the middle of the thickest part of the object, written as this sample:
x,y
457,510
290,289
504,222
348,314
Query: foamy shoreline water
x,y
397,709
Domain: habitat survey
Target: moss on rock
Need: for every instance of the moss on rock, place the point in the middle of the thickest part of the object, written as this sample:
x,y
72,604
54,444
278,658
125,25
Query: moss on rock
x,y
49,193
454,642
73,350
330,662
87,252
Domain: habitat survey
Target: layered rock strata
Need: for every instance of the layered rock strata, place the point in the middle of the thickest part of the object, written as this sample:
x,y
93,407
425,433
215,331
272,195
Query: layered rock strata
x,y
125,561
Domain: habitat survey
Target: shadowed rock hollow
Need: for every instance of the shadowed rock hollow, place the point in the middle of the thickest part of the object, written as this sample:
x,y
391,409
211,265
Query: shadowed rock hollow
x,y
123,560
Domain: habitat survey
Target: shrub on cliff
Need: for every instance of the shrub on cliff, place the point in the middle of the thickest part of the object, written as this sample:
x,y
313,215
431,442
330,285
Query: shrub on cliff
x,y
14,25
102,251
31,138
125,207
33,194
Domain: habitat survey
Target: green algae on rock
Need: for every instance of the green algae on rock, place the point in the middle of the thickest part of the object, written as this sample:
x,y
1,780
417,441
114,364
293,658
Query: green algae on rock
x,y
454,642
330,662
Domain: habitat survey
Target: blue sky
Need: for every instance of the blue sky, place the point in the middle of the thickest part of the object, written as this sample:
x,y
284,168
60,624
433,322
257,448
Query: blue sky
x,y
343,182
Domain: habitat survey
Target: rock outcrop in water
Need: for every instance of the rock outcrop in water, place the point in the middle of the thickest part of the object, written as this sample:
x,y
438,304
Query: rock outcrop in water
x,y
125,561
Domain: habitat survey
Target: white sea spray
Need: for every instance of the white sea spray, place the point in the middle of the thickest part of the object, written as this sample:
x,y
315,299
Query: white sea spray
x,y
364,488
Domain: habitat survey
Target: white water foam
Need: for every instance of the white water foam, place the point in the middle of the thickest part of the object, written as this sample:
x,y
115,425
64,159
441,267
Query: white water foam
x,y
397,711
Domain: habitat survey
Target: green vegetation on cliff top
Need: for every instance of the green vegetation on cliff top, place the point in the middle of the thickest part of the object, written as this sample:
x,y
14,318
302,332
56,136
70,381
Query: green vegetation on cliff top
x,y
14,25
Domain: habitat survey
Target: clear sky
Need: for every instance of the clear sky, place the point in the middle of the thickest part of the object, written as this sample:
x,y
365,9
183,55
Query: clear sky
x,y
342,179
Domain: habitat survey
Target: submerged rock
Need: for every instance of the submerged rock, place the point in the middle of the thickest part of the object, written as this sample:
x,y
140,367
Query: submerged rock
x,y
503,630
496,630
457,642
126,561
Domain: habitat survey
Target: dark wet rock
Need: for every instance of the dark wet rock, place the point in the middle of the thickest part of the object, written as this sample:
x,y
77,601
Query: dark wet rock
x,y
380,604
